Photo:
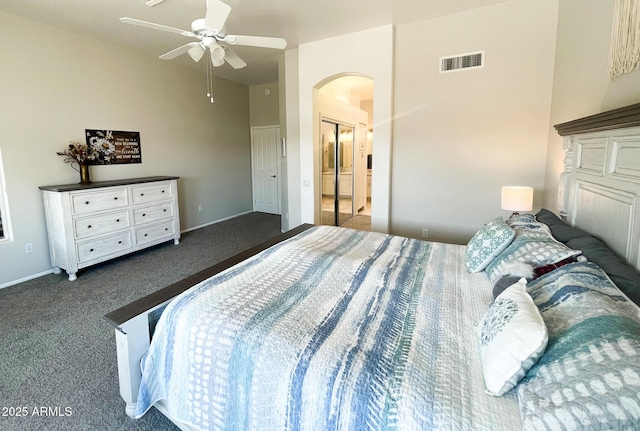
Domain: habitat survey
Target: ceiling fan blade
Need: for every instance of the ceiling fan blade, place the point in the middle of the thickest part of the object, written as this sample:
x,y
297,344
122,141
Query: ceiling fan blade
x,y
233,59
178,51
217,13
259,41
154,26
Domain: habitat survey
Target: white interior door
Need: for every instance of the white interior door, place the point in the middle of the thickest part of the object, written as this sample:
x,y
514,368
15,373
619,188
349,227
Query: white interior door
x,y
264,161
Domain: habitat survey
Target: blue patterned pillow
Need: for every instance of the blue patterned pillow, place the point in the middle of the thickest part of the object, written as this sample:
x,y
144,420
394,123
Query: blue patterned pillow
x,y
589,376
532,244
487,243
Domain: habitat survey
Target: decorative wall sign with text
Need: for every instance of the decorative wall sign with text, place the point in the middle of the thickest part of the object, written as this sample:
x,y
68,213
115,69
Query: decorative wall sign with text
x,y
113,147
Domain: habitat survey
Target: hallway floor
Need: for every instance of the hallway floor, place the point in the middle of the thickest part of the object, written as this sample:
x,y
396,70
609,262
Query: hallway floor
x,y
362,221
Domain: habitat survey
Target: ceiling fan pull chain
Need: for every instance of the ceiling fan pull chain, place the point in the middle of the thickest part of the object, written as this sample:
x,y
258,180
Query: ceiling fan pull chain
x,y
209,81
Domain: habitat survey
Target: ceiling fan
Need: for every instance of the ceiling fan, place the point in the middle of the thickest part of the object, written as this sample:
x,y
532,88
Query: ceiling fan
x,y
210,31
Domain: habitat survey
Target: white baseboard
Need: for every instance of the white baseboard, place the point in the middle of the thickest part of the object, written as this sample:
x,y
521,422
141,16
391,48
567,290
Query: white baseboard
x,y
30,277
215,221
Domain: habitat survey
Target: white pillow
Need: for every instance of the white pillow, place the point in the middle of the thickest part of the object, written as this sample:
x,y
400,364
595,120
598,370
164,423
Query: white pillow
x,y
513,337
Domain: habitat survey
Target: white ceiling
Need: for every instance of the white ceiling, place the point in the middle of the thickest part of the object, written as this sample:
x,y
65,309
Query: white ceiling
x,y
298,21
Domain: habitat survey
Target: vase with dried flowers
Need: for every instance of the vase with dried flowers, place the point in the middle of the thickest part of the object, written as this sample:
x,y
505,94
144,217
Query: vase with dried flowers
x,y
80,154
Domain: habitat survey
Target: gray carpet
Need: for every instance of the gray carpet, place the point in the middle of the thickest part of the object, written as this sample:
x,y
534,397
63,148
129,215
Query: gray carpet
x,y
328,218
359,222
58,355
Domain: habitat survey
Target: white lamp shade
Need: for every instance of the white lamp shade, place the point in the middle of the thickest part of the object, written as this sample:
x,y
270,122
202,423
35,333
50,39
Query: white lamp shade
x,y
517,198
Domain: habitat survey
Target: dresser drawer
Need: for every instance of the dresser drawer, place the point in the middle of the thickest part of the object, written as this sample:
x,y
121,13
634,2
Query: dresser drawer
x,y
99,224
98,248
151,233
155,193
152,213
86,203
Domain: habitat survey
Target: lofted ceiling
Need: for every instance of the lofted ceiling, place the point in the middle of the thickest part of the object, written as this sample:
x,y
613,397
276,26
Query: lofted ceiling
x,y
298,21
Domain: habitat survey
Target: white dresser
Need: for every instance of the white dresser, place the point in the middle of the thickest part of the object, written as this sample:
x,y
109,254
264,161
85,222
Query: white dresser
x,y
91,223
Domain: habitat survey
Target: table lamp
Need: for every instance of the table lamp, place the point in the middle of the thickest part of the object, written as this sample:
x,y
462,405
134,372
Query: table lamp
x,y
517,199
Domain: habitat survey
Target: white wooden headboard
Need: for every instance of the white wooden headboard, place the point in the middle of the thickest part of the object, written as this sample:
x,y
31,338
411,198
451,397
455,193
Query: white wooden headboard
x,y
599,188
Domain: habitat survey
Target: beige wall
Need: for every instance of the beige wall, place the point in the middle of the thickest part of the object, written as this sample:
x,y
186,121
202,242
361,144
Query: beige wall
x,y
264,110
54,87
367,105
459,137
292,183
581,84
320,62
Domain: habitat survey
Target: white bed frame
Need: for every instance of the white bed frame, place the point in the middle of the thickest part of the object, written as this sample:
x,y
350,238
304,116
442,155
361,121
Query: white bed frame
x,y
598,193
134,324
600,185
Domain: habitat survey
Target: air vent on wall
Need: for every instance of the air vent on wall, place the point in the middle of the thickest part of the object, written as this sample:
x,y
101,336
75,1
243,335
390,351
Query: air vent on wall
x,y
456,63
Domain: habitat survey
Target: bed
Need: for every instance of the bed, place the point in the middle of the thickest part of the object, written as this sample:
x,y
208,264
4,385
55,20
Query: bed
x,y
532,325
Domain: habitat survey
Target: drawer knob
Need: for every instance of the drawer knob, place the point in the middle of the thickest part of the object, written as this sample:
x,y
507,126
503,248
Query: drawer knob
x,y
166,228
116,198
91,250
165,210
89,227
141,194
146,234
143,214
117,220
119,242
86,203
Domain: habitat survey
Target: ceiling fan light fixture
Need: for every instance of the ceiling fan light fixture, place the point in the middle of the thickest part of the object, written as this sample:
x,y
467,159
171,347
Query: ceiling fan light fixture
x,y
217,54
196,52
217,63
209,31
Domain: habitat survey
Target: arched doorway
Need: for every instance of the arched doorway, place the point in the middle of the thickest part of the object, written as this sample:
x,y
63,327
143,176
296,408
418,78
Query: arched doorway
x,y
345,150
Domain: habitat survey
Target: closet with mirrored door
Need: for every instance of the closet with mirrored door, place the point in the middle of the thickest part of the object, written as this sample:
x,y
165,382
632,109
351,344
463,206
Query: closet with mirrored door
x,y
337,173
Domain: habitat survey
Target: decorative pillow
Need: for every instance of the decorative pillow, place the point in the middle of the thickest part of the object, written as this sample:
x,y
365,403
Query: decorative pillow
x,y
624,276
513,336
533,244
589,377
487,243
559,229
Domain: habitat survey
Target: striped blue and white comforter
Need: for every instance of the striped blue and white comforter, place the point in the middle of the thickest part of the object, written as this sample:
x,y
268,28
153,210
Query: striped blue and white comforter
x,y
334,329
